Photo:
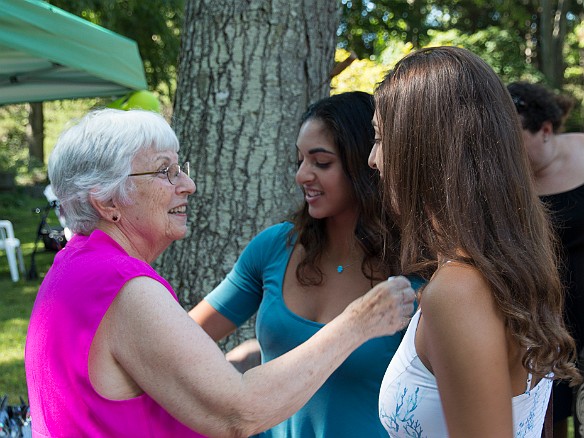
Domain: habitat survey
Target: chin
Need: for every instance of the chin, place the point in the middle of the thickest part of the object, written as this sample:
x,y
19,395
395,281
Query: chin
x,y
316,214
179,234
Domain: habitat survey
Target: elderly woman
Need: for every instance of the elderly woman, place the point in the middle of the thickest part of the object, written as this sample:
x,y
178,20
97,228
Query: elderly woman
x,y
110,351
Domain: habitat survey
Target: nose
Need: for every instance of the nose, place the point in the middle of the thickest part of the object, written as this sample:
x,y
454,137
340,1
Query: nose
x,y
372,157
304,174
186,184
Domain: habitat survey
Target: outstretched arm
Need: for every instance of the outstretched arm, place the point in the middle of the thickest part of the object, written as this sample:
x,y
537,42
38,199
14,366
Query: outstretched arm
x,y
172,359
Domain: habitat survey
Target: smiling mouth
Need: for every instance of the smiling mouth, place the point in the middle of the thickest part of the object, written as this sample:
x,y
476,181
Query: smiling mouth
x,y
178,210
312,193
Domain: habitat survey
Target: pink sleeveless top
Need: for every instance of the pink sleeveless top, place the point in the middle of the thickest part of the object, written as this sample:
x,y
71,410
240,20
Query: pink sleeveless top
x,y
72,300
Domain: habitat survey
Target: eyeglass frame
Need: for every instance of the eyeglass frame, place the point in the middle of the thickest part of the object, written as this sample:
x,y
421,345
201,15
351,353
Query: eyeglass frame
x,y
166,172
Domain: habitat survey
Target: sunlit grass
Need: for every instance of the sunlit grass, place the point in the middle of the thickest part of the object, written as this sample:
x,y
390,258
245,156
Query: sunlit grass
x,y
16,299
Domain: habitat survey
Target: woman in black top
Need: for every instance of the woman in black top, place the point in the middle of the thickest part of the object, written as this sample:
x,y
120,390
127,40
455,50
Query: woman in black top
x,y
557,161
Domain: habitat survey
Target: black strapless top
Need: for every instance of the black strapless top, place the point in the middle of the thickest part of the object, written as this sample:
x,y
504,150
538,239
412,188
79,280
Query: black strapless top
x,y
567,211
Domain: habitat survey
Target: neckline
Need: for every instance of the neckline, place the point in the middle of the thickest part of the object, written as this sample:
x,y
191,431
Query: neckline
x,y
565,192
289,250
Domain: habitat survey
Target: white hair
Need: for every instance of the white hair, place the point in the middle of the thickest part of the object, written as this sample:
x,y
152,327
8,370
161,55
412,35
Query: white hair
x,y
95,156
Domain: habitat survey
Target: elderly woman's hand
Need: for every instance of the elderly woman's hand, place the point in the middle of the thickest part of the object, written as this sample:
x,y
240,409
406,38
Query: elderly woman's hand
x,y
385,309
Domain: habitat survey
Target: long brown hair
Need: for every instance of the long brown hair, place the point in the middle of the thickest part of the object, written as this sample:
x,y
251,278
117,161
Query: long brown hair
x,y
457,180
347,116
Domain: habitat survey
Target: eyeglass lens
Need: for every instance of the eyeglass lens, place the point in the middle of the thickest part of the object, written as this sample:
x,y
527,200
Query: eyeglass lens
x,y
174,171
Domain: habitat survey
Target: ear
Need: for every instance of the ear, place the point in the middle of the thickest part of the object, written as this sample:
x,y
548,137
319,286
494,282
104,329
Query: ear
x,y
547,128
108,210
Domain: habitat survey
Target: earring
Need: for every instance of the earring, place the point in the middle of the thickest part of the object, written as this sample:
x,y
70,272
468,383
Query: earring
x,y
115,218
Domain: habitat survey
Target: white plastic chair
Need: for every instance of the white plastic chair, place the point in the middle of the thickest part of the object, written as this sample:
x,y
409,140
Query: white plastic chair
x,y
11,245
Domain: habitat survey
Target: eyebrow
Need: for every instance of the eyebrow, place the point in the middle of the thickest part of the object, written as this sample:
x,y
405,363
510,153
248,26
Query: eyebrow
x,y
318,150
163,158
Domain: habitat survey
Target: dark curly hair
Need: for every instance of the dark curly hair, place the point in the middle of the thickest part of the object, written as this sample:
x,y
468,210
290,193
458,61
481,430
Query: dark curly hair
x,y
536,104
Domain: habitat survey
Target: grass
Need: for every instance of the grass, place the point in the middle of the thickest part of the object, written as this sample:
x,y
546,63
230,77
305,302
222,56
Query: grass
x,y
16,299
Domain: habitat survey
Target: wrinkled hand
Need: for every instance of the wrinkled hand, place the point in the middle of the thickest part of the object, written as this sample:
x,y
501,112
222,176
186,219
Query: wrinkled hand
x,y
385,309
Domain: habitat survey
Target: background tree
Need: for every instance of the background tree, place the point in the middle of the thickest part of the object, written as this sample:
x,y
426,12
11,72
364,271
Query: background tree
x,y
154,25
538,40
544,33
368,27
247,72
36,135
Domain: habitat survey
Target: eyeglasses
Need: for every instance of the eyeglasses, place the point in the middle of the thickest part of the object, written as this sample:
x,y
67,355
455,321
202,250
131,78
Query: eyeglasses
x,y
172,172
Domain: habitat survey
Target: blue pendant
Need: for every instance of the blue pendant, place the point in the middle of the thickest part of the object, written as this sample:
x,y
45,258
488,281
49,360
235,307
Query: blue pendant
x,y
340,269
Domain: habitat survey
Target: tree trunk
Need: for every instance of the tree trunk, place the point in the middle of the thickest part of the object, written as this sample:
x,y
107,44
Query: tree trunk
x,y
248,70
559,38
36,134
545,39
552,36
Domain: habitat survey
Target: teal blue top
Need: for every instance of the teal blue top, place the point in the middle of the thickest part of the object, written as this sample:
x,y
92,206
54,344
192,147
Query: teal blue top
x,y
347,404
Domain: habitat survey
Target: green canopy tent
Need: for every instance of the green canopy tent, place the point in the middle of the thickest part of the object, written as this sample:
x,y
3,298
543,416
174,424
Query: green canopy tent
x,y
48,54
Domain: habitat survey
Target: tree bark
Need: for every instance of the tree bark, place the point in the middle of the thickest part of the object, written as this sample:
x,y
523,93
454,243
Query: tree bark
x,y
552,36
248,69
36,133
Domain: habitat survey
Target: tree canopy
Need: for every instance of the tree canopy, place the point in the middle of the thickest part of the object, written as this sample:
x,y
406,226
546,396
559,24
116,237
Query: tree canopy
x,y
155,25
535,40
539,27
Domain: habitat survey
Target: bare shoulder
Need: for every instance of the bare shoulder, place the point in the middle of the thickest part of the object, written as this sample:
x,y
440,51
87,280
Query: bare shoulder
x,y
460,318
458,300
143,305
574,139
457,285
570,174
143,292
573,145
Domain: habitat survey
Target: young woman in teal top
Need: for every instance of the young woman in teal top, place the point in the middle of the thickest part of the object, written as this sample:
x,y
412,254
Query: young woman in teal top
x,y
299,275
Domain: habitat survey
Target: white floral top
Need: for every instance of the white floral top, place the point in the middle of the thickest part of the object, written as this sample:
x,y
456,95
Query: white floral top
x,y
410,406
